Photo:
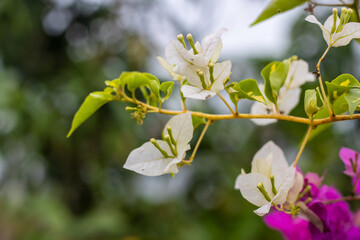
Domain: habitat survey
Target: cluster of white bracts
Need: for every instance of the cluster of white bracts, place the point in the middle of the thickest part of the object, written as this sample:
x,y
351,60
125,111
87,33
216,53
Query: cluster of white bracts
x,y
181,62
289,95
271,180
269,162
148,160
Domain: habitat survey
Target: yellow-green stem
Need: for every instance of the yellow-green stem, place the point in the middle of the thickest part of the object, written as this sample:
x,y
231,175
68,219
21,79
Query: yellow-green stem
x,y
214,117
183,106
321,83
226,103
302,146
191,158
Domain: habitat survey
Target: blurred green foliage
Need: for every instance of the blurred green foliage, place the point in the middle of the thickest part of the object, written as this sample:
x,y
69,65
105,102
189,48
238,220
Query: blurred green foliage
x,y
58,188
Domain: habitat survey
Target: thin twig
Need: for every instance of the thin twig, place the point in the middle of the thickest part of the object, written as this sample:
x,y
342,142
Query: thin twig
x,y
331,4
183,105
316,122
303,146
191,158
226,103
321,83
347,198
343,2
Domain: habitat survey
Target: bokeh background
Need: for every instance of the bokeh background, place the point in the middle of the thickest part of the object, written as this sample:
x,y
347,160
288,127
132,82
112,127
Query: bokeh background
x,y
54,52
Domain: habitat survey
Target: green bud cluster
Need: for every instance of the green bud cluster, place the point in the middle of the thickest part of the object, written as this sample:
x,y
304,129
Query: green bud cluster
x,y
170,140
138,113
295,210
344,18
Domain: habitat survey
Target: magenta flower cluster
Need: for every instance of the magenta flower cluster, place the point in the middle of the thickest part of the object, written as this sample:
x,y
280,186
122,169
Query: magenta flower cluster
x,y
331,216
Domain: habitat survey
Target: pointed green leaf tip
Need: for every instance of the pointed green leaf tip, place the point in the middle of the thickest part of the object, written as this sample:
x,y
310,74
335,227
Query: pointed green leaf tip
x,y
352,97
276,7
340,85
166,88
274,75
246,89
90,105
197,121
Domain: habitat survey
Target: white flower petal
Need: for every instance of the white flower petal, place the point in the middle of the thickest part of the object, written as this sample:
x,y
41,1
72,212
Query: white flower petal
x,y
262,164
261,211
259,108
175,53
182,130
221,72
196,93
247,185
298,74
212,45
172,166
285,185
198,48
148,160
296,189
349,32
288,100
329,22
189,71
326,32
169,69
279,164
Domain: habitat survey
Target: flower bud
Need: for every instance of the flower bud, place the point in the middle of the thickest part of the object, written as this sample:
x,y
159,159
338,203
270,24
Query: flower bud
x,y
273,189
171,146
180,37
348,15
202,78
311,102
131,109
189,37
169,130
153,141
343,16
261,188
335,16
211,71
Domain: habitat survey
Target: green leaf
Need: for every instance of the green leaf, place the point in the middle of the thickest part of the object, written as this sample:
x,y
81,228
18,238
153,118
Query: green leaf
x,y
246,89
340,85
352,98
166,88
265,73
276,7
122,80
90,105
278,76
197,121
340,107
312,102
136,80
145,93
274,75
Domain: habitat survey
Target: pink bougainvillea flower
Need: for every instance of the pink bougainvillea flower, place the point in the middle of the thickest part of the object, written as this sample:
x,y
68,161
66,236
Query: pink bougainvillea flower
x,y
351,160
291,228
336,217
